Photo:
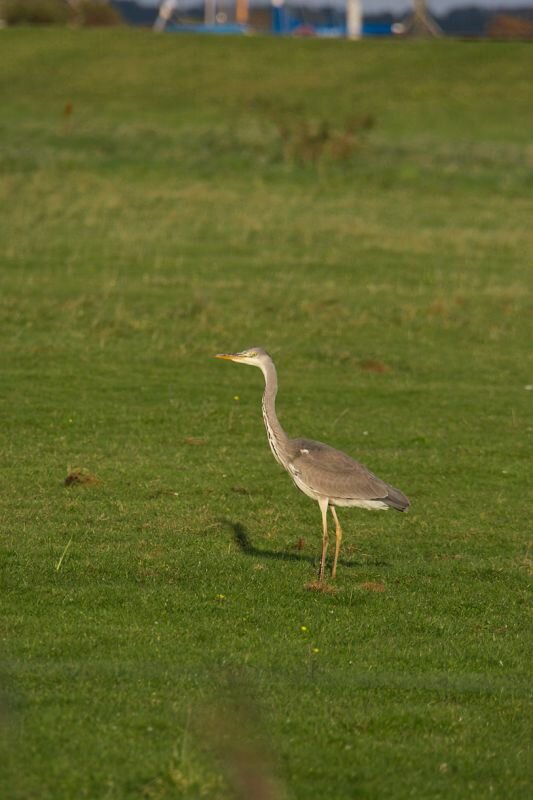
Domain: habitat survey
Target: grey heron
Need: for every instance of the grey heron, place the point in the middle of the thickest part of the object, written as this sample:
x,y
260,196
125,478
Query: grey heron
x,y
326,475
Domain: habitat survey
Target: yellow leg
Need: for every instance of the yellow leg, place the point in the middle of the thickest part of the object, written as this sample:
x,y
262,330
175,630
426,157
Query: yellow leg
x,y
323,503
338,540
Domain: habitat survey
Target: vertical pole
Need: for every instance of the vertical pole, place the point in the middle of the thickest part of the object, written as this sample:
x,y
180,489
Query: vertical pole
x,y
241,12
165,13
354,19
278,17
210,12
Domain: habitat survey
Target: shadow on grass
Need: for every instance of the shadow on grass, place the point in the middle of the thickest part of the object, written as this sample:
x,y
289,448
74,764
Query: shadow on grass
x,y
242,540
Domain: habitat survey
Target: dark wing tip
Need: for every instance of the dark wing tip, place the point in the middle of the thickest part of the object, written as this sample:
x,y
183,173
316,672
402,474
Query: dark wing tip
x,y
396,499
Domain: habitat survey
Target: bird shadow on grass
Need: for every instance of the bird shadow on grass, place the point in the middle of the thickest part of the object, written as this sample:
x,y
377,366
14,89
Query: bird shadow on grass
x,y
243,542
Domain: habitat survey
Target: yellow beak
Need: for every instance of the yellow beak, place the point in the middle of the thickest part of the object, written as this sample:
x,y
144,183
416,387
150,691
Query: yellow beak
x,y
229,356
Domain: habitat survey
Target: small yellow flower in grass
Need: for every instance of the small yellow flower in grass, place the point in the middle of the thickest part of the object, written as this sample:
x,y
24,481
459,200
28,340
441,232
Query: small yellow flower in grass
x,y
316,650
221,596
303,628
236,397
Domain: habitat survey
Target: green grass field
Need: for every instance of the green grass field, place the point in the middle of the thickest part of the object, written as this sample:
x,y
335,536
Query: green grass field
x,y
363,211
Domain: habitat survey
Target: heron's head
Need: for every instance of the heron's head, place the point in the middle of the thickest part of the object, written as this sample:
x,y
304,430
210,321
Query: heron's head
x,y
256,356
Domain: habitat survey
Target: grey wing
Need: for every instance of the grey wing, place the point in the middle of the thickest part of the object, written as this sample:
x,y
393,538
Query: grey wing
x,y
330,472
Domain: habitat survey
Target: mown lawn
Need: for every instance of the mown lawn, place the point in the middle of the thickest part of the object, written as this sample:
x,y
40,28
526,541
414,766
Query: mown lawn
x,y
364,212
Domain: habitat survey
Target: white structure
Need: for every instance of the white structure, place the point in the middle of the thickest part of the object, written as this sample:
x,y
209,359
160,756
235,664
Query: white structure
x,y
165,12
354,19
210,12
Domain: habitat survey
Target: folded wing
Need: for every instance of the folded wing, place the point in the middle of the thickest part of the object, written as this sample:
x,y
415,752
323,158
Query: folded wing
x,y
333,474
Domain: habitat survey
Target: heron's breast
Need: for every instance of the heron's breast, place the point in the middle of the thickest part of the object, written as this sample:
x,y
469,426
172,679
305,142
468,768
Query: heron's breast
x,y
302,485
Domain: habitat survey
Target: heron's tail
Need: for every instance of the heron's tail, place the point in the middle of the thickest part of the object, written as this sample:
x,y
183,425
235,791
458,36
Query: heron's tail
x,y
396,499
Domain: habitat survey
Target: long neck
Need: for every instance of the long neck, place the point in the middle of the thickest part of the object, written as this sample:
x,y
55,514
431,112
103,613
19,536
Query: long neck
x,y
277,438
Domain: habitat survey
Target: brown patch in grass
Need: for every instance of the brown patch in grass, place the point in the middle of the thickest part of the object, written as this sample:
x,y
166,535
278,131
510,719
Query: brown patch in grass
x,y
373,586
67,116
439,308
527,564
370,365
320,586
299,544
77,476
308,141
195,441
503,631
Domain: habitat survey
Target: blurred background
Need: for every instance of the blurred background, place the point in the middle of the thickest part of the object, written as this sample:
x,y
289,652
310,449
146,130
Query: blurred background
x,y
363,210
499,19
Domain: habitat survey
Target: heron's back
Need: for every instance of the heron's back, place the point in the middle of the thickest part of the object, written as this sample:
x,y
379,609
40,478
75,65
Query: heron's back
x,y
321,470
